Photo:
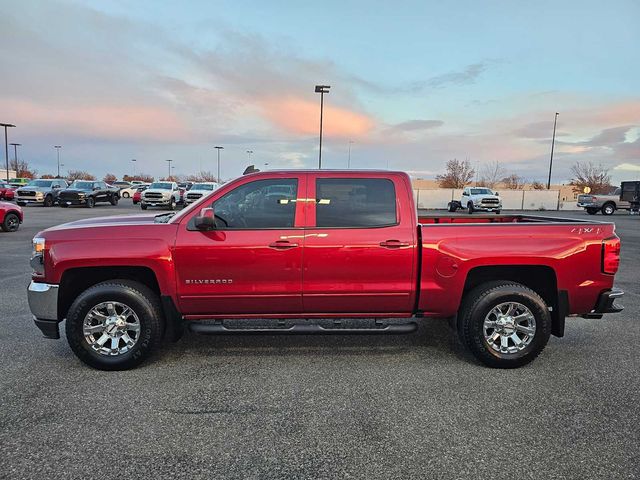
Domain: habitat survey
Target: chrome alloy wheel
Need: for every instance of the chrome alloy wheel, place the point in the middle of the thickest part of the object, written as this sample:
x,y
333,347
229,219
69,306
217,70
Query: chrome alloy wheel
x,y
111,328
509,327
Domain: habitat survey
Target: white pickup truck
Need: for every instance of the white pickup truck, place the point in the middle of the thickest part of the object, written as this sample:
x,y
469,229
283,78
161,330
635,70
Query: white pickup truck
x,y
161,194
477,199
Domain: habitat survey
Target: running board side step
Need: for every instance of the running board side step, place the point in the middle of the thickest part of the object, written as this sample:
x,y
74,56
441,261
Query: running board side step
x,y
218,328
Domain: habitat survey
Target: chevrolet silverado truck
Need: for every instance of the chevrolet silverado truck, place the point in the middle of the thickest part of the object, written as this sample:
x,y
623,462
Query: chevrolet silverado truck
x,y
299,251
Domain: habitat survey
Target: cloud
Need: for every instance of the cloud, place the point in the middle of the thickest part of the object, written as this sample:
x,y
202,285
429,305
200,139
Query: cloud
x,y
628,167
412,125
538,130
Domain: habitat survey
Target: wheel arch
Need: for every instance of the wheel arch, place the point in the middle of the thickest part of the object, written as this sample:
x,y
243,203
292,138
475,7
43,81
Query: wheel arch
x,y
542,279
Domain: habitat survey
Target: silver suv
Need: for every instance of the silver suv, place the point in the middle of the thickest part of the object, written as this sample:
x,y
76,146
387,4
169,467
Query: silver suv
x,y
44,191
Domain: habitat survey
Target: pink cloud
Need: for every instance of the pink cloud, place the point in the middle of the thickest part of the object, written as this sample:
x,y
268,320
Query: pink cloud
x,y
116,122
301,116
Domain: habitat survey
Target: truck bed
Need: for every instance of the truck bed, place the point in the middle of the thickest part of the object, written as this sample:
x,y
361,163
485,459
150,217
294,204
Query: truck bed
x,y
488,218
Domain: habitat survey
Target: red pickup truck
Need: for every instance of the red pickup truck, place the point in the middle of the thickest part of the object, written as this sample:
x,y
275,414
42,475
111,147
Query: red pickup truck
x,y
300,250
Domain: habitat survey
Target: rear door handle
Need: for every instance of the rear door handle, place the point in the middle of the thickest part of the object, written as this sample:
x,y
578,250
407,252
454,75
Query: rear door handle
x,y
282,245
394,244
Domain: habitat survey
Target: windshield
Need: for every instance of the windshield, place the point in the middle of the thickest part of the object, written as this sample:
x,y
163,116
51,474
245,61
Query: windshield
x,y
82,185
39,183
202,186
161,185
481,191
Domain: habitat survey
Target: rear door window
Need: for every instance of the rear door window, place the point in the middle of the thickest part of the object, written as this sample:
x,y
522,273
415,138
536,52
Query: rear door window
x,y
355,203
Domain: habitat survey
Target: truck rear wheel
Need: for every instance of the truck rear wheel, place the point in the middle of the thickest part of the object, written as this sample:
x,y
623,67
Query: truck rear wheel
x,y
114,325
608,208
504,324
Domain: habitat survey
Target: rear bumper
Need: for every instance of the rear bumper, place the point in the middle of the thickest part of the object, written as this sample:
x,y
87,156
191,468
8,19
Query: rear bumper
x,y
606,304
589,205
43,303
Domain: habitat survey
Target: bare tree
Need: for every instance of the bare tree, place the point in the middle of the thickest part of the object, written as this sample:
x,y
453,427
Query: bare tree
x,y
491,174
202,176
458,174
109,178
79,175
142,177
536,185
48,176
589,175
22,169
513,182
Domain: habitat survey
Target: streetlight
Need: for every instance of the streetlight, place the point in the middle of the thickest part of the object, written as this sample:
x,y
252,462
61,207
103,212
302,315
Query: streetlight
x,y
349,159
169,168
58,147
553,141
219,148
133,160
321,89
6,145
15,152
249,152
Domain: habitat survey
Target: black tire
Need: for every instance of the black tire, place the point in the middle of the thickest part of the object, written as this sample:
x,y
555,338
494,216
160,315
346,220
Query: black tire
x,y
172,204
113,200
498,212
135,203
136,296
11,222
90,202
62,205
48,201
592,211
470,208
143,206
608,208
21,204
452,207
480,301
125,194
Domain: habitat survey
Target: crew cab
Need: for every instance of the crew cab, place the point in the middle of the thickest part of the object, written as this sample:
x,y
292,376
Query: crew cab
x,y
11,217
605,203
88,193
42,191
322,246
161,194
480,199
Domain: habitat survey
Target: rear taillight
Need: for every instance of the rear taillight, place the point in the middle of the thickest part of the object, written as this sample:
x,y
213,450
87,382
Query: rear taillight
x,y
610,255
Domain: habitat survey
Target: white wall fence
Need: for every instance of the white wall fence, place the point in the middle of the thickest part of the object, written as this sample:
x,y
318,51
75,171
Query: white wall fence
x,y
511,199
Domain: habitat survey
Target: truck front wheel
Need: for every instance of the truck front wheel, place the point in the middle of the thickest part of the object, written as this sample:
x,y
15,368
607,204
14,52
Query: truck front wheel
x,y
114,325
470,207
504,324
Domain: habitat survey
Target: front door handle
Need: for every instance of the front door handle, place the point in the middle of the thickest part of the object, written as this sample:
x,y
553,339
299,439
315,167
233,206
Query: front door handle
x,y
282,245
394,244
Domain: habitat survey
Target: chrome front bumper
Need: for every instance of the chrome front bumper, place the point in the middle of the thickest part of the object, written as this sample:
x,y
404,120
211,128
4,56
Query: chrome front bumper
x,y
43,303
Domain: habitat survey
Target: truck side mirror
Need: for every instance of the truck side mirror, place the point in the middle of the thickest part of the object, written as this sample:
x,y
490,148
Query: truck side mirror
x,y
206,220
497,194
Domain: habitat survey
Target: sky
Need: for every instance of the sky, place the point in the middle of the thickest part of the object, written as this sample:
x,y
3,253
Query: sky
x,y
413,84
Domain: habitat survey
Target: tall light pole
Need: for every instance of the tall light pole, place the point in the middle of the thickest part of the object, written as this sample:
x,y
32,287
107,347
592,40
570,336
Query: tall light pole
x,y
133,160
249,152
6,145
553,141
15,151
218,149
321,89
169,168
349,157
58,147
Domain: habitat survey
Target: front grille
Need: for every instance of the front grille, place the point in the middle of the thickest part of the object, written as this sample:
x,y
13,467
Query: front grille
x,y
70,195
492,201
193,196
26,193
153,195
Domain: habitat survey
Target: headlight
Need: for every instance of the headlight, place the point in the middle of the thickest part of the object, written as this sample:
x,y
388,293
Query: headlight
x,y
37,256
38,246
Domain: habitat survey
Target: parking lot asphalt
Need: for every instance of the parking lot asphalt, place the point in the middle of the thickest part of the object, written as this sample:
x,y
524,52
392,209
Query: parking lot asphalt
x,y
407,406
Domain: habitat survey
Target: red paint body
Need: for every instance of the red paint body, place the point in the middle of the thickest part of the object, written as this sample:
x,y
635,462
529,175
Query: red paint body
x,y
6,208
334,272
7,192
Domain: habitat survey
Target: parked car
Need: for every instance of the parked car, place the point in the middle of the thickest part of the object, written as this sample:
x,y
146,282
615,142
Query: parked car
x,y
128,192
137,195
198,190
357,249
605,203
88,193
121,184
19,181
477,199
161,194
7,191
11,217
44,191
